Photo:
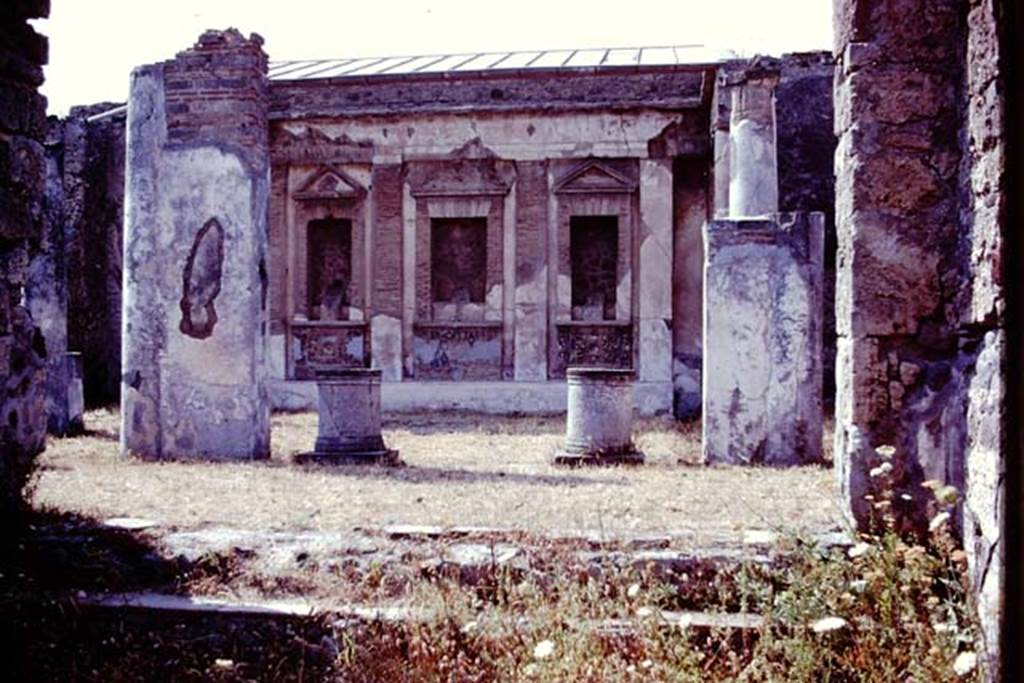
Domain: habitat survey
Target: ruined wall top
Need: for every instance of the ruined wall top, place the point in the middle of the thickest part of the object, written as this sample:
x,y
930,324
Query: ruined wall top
x,y
216,94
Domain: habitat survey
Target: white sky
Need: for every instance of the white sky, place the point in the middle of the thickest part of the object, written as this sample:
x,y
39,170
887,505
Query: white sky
x,y
94,44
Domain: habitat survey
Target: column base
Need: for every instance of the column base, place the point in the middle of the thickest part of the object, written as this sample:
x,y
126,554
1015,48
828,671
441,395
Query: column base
x,y
385,458
578,459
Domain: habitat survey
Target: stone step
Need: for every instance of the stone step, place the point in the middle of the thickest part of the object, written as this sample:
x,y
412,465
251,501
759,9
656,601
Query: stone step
x,y
160,606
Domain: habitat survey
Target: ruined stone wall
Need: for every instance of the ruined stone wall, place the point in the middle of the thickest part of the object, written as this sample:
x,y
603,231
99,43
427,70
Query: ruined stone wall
x,y
920,213
93,149
22,179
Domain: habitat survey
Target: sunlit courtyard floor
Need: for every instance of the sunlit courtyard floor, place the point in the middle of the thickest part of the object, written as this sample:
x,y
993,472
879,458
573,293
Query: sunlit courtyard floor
x,y
460,471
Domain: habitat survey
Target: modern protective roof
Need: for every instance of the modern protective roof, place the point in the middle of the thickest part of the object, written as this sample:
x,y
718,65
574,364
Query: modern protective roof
x,y
590,58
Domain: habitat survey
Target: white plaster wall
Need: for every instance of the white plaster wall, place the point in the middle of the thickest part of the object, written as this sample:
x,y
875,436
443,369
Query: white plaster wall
x,y
513,136
654,278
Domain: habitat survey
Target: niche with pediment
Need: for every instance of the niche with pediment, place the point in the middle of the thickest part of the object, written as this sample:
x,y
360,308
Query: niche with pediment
x,y
596,213
327,272
459,209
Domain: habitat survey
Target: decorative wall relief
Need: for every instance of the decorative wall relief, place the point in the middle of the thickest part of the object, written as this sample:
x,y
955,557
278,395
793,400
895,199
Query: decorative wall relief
x,y
593,345
201,281
457,351
320,346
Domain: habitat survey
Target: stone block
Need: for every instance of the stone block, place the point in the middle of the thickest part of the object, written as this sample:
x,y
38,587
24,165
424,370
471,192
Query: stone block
x,y
762,340
348,422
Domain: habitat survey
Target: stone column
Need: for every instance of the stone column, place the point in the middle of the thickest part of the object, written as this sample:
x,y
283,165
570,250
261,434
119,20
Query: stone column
x,y
348,426
762,340
599,422
753,165
195,273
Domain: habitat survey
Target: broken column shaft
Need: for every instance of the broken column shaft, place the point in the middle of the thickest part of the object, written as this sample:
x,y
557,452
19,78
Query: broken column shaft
x,y
753,159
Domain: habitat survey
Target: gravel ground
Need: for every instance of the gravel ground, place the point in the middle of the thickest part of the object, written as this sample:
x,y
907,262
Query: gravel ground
x,y
461,470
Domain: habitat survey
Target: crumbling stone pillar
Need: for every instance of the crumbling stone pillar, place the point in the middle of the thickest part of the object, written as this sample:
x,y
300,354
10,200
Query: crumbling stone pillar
x,y
599,422
896,214
195,273
348,426
762,340
753,163
22,177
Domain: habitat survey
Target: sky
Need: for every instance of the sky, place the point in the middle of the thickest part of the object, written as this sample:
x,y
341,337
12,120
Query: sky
x,y
94,44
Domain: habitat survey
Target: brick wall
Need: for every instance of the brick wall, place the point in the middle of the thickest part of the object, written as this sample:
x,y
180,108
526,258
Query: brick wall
x,y
668,88
216,93
387,240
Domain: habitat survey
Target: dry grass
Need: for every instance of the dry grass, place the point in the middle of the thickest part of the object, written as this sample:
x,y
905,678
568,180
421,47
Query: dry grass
x,y
461,470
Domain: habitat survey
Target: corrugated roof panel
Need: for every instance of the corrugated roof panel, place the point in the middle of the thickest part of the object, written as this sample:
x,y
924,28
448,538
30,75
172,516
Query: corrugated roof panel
x,y
320,70
584,58
356,65
277,69
478,63
416,64
627,56
552,59
702,54
657,56
529,59
448,63
517,60
377,66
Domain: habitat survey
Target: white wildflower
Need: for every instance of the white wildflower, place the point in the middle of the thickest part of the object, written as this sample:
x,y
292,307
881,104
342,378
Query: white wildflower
x,y
885,451
646,664
883,469
828,624
469,627
644,612
947,495
543,649
965,663
633,590
858,586
937,521
858,550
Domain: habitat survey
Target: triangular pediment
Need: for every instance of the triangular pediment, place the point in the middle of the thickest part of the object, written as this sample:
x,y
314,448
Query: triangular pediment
x,y
330,183
592,176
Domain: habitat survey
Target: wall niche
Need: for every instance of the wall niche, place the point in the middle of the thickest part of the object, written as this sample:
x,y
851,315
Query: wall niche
x,y
329,268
